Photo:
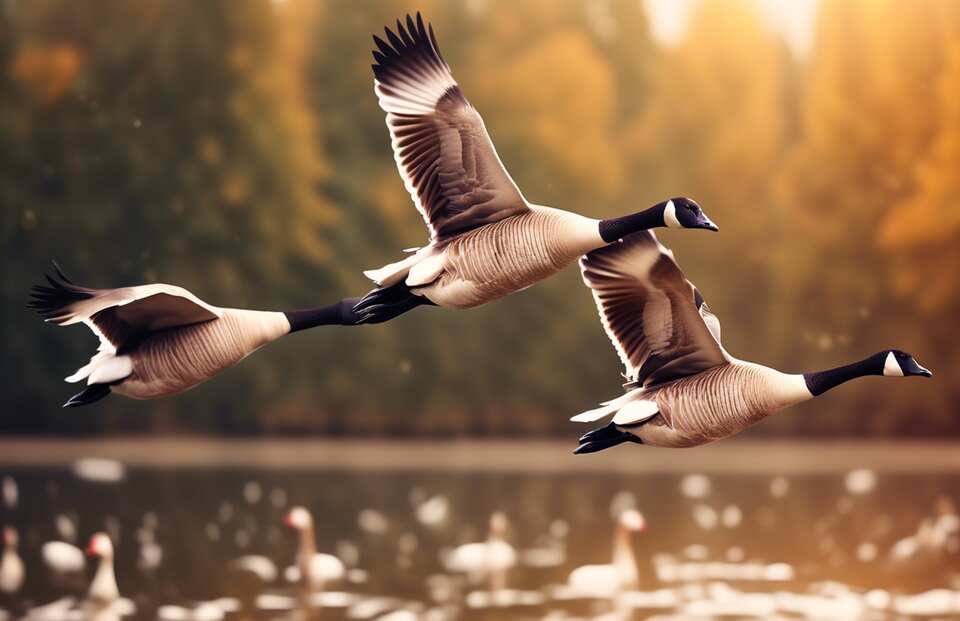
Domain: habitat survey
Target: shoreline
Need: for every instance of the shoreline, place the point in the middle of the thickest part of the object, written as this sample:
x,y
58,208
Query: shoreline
x,y
759,457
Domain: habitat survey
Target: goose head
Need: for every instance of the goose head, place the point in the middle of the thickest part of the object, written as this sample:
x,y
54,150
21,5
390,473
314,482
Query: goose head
x,y
100,545
298,518
685,213
897,363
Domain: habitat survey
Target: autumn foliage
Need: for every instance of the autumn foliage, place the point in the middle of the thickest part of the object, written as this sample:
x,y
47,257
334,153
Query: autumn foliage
x,y
236,148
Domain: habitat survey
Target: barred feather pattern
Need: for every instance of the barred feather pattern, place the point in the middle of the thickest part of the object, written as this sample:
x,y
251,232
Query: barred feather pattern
x,y
172,361
506,256
714,404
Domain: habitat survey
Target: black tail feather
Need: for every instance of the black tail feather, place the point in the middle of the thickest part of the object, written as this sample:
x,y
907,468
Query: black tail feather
x,y
51,301
604,438
93,392
386,303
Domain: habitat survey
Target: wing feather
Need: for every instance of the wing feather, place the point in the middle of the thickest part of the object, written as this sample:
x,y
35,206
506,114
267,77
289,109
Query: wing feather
x,y
118,315
443,152
650,311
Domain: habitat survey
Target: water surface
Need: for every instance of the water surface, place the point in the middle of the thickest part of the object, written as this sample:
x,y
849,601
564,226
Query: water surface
x,y
819,532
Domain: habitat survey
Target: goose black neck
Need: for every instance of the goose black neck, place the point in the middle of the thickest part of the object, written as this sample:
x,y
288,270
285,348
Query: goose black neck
x,y
617,228
337,314
822,381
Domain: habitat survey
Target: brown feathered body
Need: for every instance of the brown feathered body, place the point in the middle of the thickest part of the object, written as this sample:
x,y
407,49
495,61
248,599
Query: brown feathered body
x,y
171,361
510,255
715,404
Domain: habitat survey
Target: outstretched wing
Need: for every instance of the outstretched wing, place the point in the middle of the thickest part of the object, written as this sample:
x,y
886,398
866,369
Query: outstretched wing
x,y
118,315
652,314
442,149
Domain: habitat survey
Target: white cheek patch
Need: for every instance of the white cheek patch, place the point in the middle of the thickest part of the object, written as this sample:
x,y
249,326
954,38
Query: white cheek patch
x,y
670,216
891,368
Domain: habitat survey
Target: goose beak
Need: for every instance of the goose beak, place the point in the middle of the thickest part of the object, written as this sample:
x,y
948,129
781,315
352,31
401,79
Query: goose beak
x,y
710,226
912,367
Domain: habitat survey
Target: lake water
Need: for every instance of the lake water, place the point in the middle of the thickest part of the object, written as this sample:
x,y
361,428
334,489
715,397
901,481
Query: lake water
x,y
834,532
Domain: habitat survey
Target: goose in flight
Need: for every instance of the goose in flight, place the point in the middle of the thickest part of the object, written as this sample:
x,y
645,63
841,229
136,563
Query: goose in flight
x,y
486,240
683,388
159,340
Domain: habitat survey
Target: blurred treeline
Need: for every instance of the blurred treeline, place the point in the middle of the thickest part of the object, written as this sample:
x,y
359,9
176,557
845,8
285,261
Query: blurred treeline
x,y
236,148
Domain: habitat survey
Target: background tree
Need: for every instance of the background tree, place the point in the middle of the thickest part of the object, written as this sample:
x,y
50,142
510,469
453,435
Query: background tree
x,y
236,148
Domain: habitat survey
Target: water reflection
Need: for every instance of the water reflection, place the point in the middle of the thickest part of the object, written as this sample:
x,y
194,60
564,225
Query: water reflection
x,y
209,544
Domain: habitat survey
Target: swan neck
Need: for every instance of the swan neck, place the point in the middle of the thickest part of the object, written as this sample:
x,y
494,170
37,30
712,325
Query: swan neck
x,y
104,586
308,545
624,558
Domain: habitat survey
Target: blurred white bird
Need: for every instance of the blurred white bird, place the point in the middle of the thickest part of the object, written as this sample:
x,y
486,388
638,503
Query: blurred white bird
x,y
62,558
491,559
621,573
11,565
260,566
313,570
103,589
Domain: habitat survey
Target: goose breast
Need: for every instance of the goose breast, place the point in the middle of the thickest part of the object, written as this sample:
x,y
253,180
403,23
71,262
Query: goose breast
x,y
507,256
711,405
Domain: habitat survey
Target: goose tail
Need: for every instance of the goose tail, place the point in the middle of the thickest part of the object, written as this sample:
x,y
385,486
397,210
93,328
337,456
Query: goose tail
x,y
391,274
595,414
606,408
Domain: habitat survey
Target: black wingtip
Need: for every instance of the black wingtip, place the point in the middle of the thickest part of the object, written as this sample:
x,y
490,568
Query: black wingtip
x,y
59,271
413,45
49,300
395,39
383,46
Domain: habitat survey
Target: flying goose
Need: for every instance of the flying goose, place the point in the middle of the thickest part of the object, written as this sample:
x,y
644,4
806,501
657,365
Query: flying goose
x,y
159,340
486,240
683,388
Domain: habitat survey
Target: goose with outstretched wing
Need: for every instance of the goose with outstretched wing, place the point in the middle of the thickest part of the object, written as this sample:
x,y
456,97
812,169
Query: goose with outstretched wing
x,y
683,389
158,340
486,240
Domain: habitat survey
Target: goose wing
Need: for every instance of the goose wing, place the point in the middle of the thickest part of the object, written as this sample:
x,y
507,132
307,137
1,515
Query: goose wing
x,y
654,316
442,149
119,315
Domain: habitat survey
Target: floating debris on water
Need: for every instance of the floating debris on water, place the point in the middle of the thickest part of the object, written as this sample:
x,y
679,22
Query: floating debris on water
x,y
99,470
695,486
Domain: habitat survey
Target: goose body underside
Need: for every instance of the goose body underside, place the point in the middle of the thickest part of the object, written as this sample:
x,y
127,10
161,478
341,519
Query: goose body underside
x,y
172,361
709,406
496,260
